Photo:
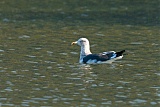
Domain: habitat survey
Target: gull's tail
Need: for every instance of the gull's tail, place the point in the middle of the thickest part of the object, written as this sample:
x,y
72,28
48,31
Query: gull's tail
x,y
120,53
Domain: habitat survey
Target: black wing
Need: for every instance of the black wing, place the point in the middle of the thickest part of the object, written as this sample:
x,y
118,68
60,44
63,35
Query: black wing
x,y
99,57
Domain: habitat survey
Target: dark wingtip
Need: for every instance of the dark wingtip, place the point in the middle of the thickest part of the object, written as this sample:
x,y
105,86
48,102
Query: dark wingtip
x,y
123,51
120,53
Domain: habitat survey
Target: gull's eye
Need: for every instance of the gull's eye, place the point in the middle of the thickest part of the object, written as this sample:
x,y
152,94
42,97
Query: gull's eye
x,y
82,41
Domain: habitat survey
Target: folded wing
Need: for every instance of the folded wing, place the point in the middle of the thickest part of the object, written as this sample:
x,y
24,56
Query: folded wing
x,y
101,57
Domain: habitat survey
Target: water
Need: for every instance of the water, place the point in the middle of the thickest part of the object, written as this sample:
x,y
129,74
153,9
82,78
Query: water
x,y
39,67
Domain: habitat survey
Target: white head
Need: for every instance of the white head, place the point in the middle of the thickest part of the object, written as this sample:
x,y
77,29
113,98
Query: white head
x,y
85,47
82,42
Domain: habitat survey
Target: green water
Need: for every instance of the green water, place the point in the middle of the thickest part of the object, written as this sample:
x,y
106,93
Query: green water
x,y
38,67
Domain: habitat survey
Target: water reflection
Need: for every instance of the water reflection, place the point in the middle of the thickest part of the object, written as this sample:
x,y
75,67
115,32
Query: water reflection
x,y
24,37
1,50
85,67
137,101
39,68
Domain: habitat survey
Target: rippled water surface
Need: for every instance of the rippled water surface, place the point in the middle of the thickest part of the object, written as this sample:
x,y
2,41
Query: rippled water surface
x,y
39,67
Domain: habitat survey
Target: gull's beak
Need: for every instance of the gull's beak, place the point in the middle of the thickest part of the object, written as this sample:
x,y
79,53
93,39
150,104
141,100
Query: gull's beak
x,y
73,43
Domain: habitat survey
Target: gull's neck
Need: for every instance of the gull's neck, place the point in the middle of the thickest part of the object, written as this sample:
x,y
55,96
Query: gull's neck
x,y
85,50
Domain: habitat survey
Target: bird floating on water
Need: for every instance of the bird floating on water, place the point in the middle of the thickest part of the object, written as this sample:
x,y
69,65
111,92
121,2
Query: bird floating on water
x,y
86,57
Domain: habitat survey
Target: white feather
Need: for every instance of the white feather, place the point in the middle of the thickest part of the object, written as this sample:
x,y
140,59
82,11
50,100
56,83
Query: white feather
x,y
85,50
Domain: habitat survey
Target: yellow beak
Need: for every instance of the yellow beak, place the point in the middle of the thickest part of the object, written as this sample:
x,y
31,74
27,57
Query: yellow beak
x,y
73,43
